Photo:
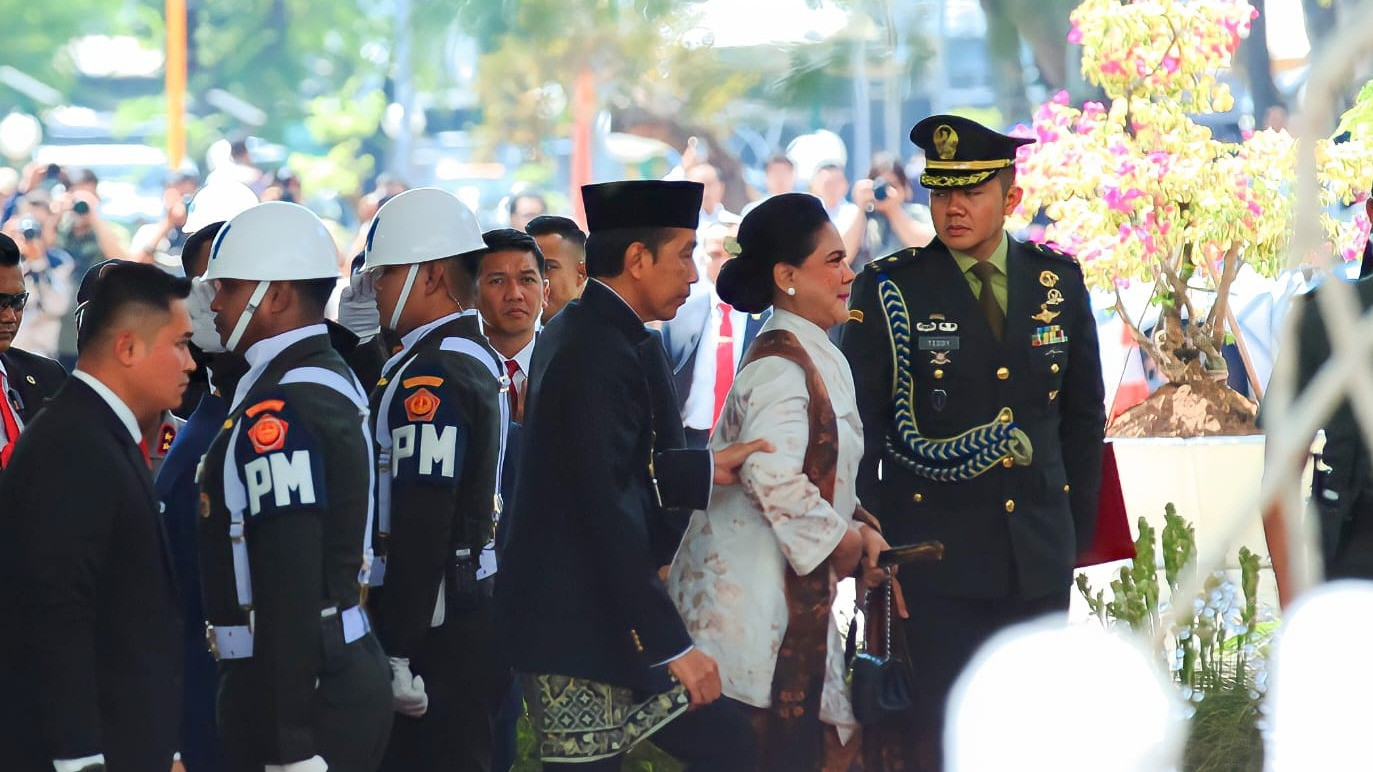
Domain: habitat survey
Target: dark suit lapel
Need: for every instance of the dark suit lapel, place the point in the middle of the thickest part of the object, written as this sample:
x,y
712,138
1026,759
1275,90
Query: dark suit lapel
x,y
137,467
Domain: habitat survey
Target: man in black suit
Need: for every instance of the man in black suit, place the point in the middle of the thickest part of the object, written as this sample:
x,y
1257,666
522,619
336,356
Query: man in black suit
x,y
92,660
979,384
588,622
26,380
705,343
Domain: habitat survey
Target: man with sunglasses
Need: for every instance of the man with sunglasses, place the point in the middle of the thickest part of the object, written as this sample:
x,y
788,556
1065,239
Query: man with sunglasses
x,y
26,379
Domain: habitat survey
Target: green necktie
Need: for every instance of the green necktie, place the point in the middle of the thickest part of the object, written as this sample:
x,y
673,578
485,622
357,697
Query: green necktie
x,y
984,271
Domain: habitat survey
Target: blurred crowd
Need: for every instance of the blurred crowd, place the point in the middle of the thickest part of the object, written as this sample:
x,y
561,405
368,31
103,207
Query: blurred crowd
x,y
54,213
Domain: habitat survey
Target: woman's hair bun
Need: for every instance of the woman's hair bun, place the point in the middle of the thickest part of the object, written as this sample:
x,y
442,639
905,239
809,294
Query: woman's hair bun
x,y
746,284
781,229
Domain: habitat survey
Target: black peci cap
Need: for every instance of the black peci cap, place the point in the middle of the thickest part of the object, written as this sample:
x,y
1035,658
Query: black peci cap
x,y
961,153
642,204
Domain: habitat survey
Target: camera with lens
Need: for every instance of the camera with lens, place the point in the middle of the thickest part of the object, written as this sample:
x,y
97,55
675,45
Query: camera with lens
x,y
881,189
81,208
30,229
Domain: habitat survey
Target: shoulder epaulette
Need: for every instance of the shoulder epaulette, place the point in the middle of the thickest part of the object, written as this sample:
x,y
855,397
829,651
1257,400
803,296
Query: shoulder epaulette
x,y
896,260
1050,252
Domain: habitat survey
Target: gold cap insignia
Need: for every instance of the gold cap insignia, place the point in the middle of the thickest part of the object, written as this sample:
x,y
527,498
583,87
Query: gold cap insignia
x,y
1048,279
945,142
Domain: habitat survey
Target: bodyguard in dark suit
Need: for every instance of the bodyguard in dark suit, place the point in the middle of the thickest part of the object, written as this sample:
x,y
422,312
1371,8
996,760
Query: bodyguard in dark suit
x,y
26,379
91,668
696,343
587,620
979,384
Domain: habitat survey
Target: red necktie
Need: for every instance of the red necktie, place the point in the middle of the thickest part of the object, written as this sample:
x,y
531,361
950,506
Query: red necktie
x,y
724,361
11,426
512,367
143,448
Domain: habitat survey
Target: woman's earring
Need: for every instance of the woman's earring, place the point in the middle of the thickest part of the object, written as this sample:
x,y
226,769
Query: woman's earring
x,y
791,291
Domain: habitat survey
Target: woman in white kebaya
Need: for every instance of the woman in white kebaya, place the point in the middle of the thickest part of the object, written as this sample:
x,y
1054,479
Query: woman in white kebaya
x,y
755,575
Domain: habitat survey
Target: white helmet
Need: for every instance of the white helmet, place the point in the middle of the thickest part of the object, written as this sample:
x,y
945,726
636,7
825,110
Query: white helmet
x,y
420,225
275,241
219,201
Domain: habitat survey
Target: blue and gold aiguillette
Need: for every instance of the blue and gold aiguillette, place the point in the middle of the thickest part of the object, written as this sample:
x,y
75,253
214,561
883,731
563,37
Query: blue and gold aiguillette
x,y
1048,335
938,343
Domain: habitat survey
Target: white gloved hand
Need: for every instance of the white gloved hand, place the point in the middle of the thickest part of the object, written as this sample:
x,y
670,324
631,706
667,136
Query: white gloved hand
x,y
203,332
357,307
407,690
312,764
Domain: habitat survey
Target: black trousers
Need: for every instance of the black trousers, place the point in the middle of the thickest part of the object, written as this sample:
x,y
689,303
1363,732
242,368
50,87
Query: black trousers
x,y
716,738
352,710
942,635
466,681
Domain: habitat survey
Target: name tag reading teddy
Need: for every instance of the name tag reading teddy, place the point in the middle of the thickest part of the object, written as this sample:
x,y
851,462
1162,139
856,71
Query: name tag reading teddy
x,y
938,342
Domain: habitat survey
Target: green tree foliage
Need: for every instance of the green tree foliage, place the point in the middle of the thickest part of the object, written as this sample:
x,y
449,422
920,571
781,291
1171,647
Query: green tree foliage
x,y
37,35
640,52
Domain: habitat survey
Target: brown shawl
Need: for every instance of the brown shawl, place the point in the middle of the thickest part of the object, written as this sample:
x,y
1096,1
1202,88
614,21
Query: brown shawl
x,y
790,734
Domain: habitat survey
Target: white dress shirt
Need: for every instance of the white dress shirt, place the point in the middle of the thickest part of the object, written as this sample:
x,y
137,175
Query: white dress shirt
x,y
728,579
5,439
699,410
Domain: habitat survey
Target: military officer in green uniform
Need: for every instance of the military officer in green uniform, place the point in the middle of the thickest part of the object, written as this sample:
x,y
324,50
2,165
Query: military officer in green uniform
x,y
979,384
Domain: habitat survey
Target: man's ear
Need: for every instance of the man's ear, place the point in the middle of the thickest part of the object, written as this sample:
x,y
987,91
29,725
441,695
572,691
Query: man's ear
x,y
433,277
637,258
1013,197
581,270
279,298
128,347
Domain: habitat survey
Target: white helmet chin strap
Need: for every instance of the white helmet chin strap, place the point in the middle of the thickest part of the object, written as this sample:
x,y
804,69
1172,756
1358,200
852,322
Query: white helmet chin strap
x,y
253,302
404,294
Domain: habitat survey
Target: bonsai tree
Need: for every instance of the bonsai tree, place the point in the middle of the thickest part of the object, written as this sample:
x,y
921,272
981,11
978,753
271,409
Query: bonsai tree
x,y
1139,191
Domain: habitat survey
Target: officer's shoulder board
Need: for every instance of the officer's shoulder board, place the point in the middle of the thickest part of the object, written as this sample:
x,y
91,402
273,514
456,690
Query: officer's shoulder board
x,y
279,460
1054,254
428,428
896,260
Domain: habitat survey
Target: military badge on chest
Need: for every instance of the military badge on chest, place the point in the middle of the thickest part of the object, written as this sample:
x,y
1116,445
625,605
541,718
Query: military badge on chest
x,y
939,338
1053,297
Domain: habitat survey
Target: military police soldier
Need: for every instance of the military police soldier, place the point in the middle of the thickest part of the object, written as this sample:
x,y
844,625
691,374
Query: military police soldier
x,y
979,384
286,508
439,417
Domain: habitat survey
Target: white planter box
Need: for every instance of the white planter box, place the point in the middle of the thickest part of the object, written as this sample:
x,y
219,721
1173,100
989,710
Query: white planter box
x,y
1205,478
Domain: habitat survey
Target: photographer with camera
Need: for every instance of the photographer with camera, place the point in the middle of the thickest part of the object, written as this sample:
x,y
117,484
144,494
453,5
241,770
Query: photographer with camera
x,y
81,231
160,243
47,275
893,223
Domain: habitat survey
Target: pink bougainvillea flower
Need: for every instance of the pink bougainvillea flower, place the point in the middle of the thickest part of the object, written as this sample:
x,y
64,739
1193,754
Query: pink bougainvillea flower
x,y
1060,97
1075,35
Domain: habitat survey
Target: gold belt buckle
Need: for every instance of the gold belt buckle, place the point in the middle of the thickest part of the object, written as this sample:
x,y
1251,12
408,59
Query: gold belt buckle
x,y
211,642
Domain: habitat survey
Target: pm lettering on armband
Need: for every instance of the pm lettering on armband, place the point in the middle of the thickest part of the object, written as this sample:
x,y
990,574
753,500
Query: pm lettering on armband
x,y
279,480
432,451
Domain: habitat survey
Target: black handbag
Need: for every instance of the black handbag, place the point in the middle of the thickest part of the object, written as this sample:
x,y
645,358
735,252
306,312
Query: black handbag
x,y
879,687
